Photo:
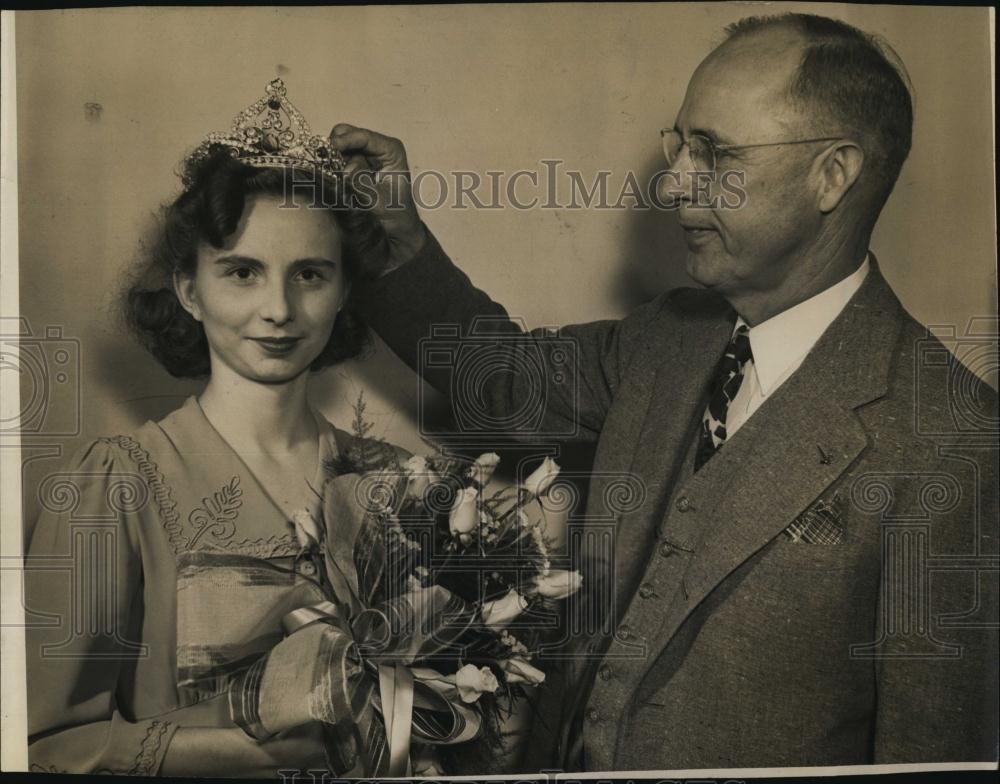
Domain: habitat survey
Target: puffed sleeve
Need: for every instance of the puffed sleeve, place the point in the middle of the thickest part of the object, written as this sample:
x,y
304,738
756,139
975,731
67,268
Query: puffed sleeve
x,y
83,583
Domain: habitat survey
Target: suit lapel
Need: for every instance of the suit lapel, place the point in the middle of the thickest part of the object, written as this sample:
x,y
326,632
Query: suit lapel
x,y
678,393
794,447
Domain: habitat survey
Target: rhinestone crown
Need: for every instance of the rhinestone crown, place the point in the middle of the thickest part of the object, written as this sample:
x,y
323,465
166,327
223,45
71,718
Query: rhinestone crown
x,y
272,133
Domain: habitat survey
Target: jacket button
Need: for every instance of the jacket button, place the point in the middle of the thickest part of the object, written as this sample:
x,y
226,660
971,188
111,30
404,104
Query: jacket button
x,y
683,503
646,590
308,568
666,549
593,716
606,673
624,632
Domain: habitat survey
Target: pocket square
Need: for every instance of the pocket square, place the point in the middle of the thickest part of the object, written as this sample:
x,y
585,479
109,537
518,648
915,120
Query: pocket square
x,y
821,523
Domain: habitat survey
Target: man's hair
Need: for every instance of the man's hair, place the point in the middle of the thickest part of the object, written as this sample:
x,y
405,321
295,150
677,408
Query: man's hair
x,y
849,80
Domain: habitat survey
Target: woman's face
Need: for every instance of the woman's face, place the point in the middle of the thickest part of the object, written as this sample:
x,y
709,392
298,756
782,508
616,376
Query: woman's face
x,y
268,298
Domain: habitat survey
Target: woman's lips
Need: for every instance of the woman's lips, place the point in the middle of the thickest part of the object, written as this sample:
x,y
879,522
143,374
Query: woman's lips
x,y
277,345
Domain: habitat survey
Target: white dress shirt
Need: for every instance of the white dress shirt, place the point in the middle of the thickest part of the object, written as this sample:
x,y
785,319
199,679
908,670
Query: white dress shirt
x,y
781,343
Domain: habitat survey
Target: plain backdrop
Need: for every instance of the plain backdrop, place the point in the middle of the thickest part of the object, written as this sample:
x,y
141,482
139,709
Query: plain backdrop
x,y
110,100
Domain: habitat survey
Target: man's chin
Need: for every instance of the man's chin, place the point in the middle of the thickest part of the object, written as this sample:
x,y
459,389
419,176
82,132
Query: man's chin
x,y
702,268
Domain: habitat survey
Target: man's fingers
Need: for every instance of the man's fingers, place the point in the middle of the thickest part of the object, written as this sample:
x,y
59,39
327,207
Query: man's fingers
x,y
347,138
355,164
353,139
341,128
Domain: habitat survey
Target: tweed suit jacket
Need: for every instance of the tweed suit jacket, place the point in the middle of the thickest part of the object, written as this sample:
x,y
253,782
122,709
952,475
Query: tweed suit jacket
x,y
729,643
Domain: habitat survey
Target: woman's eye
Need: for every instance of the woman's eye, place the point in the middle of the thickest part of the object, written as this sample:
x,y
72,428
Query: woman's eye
x,y
311,275
241,273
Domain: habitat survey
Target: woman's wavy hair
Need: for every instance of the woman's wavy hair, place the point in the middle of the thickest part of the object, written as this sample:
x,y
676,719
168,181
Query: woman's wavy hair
x,y
209,210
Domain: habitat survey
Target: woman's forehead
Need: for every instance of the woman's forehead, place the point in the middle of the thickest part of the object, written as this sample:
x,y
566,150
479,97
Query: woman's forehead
x,y
278,229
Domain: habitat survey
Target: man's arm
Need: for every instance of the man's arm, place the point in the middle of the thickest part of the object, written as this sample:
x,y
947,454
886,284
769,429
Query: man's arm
x,y
427,310
937,701
496,374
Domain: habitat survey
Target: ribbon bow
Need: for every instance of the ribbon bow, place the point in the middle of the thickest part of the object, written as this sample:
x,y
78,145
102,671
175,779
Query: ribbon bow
x,y
361,682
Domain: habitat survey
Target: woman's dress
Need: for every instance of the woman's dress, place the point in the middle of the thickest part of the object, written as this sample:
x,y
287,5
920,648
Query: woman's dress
x,y
158,572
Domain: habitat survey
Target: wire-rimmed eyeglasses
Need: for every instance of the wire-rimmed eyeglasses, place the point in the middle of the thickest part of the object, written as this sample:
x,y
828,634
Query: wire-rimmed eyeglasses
x,y
704,152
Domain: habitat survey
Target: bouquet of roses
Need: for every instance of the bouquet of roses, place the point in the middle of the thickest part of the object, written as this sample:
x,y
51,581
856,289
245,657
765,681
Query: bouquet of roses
x,y
440,594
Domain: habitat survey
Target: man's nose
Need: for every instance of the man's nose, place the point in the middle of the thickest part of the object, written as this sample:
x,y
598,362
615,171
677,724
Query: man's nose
x,y
686,167
277,306
677,184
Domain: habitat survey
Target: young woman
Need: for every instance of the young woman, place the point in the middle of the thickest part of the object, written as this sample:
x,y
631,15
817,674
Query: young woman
x,y
178,549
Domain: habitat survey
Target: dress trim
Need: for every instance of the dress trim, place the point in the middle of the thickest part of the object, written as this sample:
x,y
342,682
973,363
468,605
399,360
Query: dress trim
x,y
161,490
145,760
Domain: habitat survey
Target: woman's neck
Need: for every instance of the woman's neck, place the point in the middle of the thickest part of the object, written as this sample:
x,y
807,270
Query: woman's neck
x,y
267,418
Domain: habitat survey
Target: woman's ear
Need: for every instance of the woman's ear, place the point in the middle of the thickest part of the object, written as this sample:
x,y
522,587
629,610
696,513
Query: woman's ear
x,y
186,293
344,296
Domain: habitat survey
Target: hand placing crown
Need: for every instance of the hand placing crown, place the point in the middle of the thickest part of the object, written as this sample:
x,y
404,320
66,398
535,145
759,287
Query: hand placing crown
x,y
272,133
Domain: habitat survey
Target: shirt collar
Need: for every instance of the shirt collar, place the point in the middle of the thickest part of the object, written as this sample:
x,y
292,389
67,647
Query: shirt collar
x,y
780,343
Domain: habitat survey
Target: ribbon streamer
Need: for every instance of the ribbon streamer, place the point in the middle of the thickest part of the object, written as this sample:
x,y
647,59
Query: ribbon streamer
x,y
396,691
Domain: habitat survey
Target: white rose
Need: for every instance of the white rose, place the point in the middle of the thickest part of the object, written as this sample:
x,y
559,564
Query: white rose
x,y
558,583
542,477
519,671
472,681
419,476
307,529
464,517
482,470
500,612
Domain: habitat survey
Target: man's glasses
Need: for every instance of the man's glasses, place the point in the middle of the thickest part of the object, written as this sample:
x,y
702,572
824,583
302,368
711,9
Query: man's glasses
x,y
704,152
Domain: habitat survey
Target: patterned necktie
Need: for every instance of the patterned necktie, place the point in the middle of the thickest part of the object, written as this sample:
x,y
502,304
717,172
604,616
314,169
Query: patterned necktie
x,y
725,385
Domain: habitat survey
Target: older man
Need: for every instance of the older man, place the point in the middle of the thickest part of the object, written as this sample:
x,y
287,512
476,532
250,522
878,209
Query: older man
x,y
809,580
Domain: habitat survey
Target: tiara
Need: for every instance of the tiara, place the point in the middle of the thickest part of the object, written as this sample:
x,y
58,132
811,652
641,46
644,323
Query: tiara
x,y
272,133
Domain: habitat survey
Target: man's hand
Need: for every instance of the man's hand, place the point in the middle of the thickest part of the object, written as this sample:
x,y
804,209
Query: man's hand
x,y
377,166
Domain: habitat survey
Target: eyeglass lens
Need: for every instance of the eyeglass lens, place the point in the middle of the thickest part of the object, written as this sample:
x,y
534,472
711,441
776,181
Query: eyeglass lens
x,y
699,148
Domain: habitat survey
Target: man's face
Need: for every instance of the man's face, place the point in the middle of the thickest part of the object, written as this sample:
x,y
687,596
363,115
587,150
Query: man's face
x,y
737,97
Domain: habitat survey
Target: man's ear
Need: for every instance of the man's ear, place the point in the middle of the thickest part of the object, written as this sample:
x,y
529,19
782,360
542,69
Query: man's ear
x,y
186,294
839,169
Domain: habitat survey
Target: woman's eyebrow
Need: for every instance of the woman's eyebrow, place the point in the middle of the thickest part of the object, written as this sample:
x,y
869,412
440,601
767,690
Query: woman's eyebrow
x,y
250,261
312,261
238,259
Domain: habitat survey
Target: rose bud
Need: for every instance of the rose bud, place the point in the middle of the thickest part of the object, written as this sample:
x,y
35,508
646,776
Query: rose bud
x,y
558,583
519,671
482,470
542,477
419,476
464,517
500,612
472,681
